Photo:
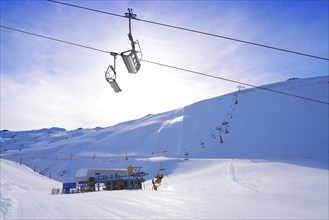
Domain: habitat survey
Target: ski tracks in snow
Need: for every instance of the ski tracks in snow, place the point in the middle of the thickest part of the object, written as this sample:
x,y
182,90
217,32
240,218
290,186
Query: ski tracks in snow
x,y
6,206
233,175
6,203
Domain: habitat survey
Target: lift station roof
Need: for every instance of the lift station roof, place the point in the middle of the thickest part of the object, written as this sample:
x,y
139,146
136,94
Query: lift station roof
x,y
83,175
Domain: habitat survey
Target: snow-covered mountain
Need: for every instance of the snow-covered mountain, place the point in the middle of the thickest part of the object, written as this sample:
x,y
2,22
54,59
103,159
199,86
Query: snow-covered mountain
x,y
272,162
255,124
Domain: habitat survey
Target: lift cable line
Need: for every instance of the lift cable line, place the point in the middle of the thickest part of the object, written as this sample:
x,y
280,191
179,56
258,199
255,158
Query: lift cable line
x,y
169,66
196,31
89,9
234,81
54,39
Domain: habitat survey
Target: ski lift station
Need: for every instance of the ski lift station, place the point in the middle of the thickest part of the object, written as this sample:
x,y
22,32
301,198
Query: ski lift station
x,y
91,179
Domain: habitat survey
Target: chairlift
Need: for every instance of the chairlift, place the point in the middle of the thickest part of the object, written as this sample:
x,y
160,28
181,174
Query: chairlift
x,y
130,57
162,167
202,144
131,61
186,156
213,136
226,125
110,75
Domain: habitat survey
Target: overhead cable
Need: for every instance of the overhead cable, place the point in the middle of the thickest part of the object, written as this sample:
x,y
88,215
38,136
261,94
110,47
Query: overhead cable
x,y
196,31
170,66
89,9
234,81
54,39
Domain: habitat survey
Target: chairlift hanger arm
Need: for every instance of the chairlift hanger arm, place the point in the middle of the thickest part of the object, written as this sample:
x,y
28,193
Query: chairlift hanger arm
x,y
130,16
114,54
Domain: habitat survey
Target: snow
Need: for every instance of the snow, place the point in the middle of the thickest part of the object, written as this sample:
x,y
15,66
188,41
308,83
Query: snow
x,y
169,123
273,162
199,188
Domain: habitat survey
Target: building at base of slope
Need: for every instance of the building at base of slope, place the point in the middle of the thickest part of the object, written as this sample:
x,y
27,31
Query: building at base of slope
x,y
92,179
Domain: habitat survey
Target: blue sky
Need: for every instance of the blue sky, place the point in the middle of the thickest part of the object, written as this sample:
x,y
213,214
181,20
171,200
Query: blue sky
x,y
46,83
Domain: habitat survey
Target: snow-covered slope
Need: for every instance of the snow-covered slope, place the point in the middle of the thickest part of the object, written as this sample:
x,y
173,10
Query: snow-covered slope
x,y
198,189
19,183
273,162
261,125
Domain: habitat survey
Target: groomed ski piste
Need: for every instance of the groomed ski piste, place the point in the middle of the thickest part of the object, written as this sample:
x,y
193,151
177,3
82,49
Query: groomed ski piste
x,y
198,189
272,164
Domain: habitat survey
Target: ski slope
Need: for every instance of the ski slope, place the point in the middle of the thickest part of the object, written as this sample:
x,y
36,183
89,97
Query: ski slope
x,y
261,125
200,188
273,162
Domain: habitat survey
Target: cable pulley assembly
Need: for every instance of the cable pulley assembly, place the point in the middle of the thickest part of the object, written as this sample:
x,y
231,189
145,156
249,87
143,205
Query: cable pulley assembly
x,y
131,58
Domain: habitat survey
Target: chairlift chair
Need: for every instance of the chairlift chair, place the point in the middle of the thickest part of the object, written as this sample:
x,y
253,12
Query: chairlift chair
x,y
110,75
111,79
225,123
186,156
162,167
131,60
213,136
130,57
202,144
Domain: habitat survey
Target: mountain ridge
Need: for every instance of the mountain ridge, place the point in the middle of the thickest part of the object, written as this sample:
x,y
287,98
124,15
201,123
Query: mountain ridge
x,y
252,124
